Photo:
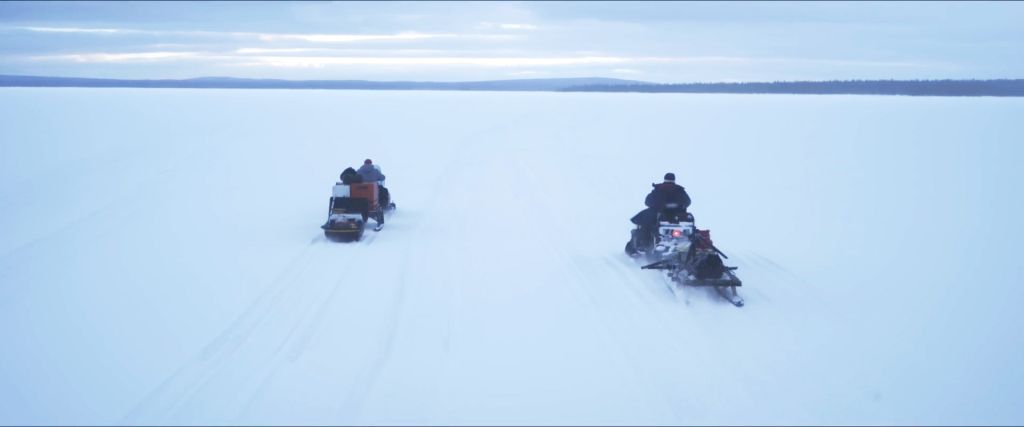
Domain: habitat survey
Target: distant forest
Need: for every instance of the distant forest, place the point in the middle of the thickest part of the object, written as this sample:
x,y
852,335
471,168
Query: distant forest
x,y
1003,87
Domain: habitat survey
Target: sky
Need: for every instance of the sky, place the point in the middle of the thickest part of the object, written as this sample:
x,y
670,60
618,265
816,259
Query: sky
x,y
664,42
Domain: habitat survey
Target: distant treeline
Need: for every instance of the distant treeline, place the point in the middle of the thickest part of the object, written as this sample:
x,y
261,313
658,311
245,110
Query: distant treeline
x,y
1003,87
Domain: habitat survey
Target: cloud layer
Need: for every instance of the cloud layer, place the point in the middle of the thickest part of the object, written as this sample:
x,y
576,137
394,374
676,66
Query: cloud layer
x,y
667,42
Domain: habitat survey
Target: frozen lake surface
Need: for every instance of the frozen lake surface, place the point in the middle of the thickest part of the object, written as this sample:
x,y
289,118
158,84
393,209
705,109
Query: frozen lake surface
x,y
161,260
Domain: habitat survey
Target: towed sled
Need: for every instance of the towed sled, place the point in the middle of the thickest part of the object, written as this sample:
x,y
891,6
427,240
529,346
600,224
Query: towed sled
x,y
686,255
351,206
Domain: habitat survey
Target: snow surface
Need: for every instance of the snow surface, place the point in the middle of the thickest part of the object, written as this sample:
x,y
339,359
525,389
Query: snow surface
x,y
161,260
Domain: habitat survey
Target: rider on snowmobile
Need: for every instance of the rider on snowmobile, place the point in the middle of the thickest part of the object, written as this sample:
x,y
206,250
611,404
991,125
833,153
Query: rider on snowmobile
x,y
371,173
667,199
350,176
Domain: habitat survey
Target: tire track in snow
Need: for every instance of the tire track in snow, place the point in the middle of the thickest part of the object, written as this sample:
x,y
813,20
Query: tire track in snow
x,y
621,321
608,311
59,236
186,385
170,395
350,406
316,320
776,281
611,321
298,338
145,185
453,171
362,385
309,326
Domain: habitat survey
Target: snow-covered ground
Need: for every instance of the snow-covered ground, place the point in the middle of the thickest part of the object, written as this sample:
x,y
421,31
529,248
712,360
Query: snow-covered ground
x,y
161,260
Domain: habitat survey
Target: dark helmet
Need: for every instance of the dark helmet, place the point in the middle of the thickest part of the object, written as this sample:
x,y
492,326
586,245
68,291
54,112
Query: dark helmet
x,y
367,162
670,177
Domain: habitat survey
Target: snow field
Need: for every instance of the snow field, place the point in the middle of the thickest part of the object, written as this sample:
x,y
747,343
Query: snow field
x,y
161,261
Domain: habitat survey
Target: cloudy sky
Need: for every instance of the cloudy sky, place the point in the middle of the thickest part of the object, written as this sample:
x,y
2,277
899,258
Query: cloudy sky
x,y
452,41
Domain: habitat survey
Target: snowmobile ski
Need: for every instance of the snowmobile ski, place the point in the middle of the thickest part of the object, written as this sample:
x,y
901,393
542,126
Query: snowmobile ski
x,y
730,295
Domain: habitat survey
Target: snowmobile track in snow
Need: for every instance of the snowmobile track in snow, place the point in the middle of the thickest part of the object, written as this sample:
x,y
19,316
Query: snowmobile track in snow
x,y
298,283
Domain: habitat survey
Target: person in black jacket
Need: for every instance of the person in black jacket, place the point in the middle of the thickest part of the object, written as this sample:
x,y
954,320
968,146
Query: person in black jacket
x,y
668,199
350,176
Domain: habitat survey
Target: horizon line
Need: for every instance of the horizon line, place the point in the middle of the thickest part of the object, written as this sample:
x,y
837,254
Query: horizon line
x,y
185,79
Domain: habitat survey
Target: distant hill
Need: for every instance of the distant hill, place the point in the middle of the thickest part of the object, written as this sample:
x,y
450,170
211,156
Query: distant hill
x,y
239,83
1002,87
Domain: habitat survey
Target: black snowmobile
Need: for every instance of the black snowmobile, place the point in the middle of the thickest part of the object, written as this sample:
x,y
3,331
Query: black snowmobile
x,y
350,207
685,254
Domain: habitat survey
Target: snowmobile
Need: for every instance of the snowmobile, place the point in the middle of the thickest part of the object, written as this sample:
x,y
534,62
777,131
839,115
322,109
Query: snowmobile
x,y
350,207
685,254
